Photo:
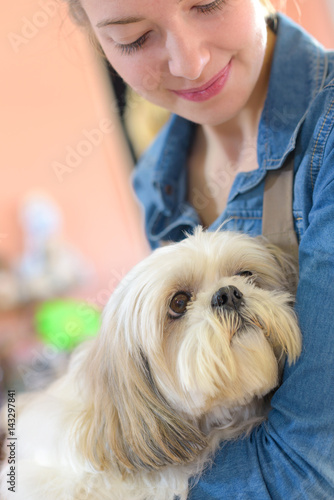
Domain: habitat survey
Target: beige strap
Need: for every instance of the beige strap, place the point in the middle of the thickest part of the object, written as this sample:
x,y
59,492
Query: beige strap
x,y
277,218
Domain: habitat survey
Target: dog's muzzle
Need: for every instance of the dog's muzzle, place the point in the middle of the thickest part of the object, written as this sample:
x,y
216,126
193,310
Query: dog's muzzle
x,y
227,297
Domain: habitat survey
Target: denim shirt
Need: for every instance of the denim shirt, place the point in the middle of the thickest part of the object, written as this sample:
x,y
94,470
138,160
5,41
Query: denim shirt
x,y
291,455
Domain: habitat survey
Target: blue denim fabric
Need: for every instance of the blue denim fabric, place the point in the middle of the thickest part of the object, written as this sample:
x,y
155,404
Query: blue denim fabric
x,y
291,456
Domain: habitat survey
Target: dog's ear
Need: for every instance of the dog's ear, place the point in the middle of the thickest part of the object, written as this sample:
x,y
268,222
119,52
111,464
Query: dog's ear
x,y
287,263
128,423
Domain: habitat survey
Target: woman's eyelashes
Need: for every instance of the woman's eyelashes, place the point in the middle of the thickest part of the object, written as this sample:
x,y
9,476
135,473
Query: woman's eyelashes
x,y
130,48
210,7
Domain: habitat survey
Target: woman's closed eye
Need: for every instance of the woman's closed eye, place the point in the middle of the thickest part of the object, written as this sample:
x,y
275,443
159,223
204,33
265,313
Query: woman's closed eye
x,y
132,47
129,48
210,7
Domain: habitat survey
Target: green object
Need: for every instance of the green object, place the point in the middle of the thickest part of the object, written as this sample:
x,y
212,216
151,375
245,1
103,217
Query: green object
x,y
66,323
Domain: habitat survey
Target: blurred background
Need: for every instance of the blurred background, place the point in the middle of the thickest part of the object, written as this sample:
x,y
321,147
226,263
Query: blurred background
x,y
70,227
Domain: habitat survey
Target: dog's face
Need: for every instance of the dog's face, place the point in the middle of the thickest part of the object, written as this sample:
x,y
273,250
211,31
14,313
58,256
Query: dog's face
x,y
198,324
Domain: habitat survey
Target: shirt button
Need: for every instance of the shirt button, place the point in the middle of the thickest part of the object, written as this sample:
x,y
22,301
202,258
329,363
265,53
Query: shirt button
x,y
168,189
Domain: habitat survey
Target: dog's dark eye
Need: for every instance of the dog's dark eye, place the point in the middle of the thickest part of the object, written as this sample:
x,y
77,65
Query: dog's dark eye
x,y
178,304
245,274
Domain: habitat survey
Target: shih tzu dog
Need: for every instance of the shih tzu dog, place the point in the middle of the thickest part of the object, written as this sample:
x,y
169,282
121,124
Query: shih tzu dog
x,y
192,345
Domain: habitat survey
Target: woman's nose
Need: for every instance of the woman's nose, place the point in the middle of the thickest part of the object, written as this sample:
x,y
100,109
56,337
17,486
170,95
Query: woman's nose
x,y
187,56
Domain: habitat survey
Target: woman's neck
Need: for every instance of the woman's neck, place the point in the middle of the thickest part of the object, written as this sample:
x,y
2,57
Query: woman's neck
x,y
242,129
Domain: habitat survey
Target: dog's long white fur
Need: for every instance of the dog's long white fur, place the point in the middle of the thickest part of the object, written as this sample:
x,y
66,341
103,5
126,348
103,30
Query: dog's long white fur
x,y
143,406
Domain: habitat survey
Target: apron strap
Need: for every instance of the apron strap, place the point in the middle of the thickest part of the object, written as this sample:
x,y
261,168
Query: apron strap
x,y
277,219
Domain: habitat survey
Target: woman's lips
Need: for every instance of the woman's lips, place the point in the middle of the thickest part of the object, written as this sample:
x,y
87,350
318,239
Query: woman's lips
x,y
209,89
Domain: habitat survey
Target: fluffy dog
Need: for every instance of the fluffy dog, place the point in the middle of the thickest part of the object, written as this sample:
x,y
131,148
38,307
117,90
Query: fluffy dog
x,y
192,345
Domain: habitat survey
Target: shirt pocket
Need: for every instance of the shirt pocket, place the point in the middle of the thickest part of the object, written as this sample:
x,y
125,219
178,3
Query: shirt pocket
x,y
245,221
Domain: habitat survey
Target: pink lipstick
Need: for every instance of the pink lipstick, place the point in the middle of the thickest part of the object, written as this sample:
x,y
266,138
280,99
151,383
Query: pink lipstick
x,y
209,89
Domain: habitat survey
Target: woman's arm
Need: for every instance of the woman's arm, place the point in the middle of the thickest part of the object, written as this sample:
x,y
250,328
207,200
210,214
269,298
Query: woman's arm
x,y
291,456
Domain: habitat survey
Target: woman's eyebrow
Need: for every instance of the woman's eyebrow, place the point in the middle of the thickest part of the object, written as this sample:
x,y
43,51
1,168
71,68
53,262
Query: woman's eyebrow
x,y
123,20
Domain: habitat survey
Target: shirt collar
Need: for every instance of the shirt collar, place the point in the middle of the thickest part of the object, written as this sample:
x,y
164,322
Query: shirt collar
x,y
298,73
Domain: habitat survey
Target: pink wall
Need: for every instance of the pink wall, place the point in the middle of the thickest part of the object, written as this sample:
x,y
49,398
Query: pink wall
x,y
316,16
53,93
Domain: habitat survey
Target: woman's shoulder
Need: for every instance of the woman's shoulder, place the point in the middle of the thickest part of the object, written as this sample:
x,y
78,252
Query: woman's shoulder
x,y
302,78
299,50
329,81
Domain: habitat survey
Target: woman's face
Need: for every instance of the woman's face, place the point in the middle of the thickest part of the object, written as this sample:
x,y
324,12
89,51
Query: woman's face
x,y
200,59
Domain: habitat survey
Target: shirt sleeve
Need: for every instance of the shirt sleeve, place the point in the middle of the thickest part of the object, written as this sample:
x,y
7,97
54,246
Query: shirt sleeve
x,y
291,455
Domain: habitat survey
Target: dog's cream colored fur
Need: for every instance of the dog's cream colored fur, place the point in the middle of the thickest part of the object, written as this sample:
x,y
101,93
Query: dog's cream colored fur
x,y
142,407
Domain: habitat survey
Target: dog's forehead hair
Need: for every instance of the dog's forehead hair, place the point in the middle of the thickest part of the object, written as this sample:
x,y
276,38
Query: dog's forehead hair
x,y
204,258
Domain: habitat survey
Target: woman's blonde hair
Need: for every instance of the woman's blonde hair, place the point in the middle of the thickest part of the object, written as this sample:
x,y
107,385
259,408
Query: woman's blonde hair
x,y
268,6
77,12
78,15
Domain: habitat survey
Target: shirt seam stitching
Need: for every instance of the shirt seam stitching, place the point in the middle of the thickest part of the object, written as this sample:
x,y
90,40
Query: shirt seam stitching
x,y
317,142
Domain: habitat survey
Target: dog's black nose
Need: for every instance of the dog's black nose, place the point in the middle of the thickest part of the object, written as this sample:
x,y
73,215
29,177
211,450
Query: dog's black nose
x,y
228,296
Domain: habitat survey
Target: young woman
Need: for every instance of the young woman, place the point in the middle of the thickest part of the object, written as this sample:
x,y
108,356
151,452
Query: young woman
x,y
248,90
